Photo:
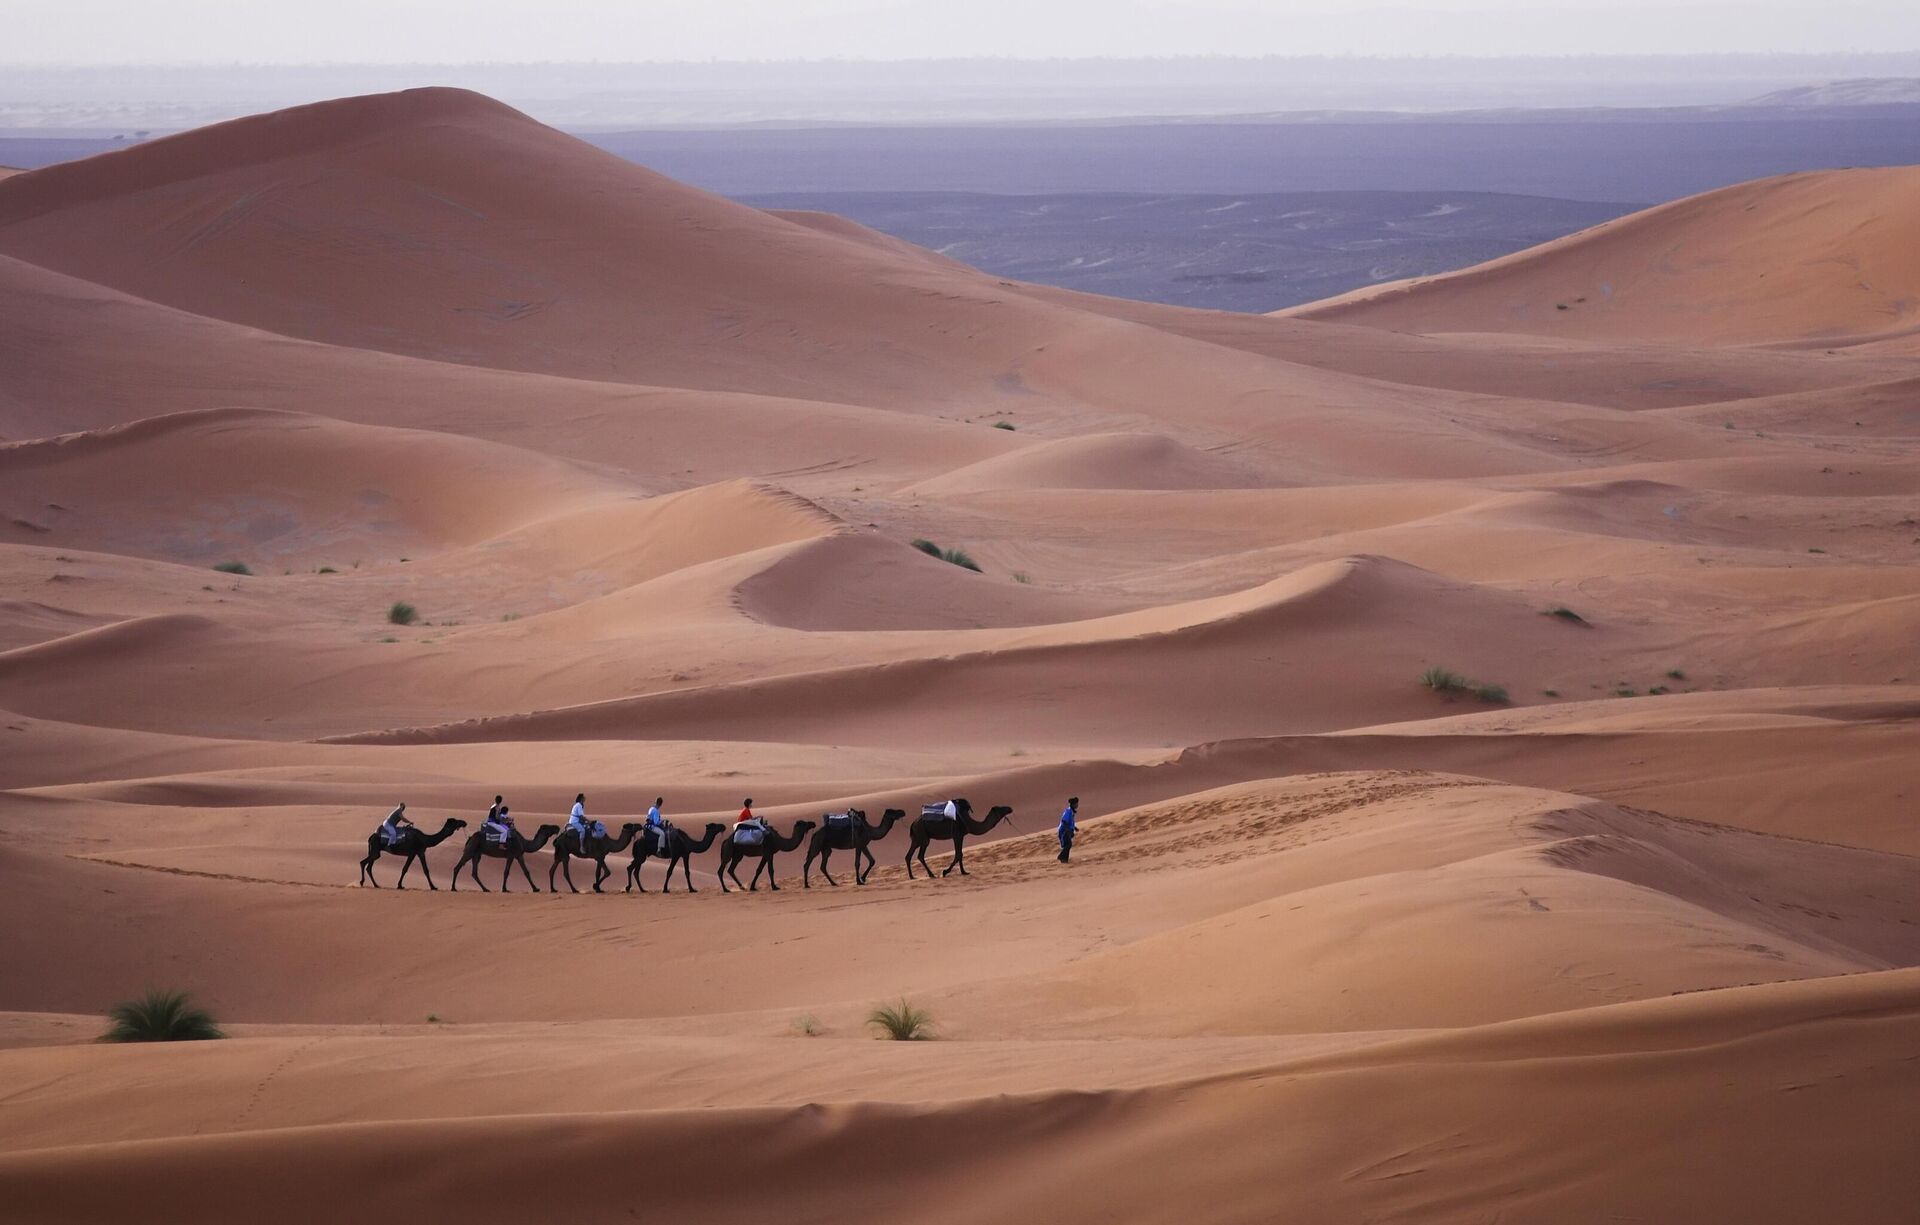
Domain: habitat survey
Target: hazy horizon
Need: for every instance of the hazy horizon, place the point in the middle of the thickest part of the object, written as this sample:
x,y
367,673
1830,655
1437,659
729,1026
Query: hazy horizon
x,y
606,95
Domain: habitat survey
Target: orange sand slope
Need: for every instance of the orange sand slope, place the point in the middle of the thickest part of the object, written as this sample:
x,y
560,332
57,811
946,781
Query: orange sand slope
x,y
1624,924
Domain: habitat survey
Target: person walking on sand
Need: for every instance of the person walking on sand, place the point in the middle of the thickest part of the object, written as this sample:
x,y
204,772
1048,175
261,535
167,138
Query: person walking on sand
x,y
1068,825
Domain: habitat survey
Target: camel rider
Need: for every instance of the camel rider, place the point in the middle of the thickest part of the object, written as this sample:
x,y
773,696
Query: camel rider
x,y
1069,824
395,822
499,806
656,822
577,820
499,826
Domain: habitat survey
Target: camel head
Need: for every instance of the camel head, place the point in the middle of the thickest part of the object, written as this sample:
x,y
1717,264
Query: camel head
x,y
894,814
998,813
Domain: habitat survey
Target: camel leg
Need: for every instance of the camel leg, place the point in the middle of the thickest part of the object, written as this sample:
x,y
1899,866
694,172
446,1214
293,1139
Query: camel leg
x,y
824,857
366,869
958,860
686,871
405,865
600,873
806,870
428,873
633,876
758,868
922,848
771,883
522,861
909,861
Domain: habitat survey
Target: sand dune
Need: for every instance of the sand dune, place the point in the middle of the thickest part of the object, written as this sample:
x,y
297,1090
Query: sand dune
x,y
1622,929
1109,461
1809,257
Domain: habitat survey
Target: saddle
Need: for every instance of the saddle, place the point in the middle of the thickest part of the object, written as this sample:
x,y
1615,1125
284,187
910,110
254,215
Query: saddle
x,y
839,821
749,834
496,834
934,817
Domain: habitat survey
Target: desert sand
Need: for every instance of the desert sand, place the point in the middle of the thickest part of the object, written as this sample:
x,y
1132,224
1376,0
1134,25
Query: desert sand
x,y
1628,928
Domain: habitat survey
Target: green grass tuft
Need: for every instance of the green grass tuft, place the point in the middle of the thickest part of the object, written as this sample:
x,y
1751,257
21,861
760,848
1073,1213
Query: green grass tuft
x,y
901,1022
957,557
233,567
1494,694
403,613
1442,680
160,1016
1676,674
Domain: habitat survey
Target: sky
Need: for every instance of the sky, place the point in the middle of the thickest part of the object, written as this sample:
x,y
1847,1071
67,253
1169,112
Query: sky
x,y
53,32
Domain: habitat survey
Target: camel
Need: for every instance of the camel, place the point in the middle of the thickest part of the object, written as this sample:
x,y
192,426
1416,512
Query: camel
x,y
412,843
680,848
770,845
515,851
925,829
567,847
856,836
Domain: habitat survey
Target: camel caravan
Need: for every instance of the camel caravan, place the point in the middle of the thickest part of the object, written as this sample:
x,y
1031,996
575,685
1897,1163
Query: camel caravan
x,y
750,838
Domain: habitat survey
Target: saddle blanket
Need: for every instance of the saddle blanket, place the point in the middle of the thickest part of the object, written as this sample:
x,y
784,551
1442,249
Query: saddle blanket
x,y
839,820
749,835
496,834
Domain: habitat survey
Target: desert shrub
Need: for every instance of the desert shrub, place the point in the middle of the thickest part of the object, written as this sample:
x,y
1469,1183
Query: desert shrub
x,y
1567,614
956,557
807,1026
1549,693
1442,680
1003,425
1496,694
1676,674
1021,576
233,567
1626,692
160,1016
402,613
901,1022
326,570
